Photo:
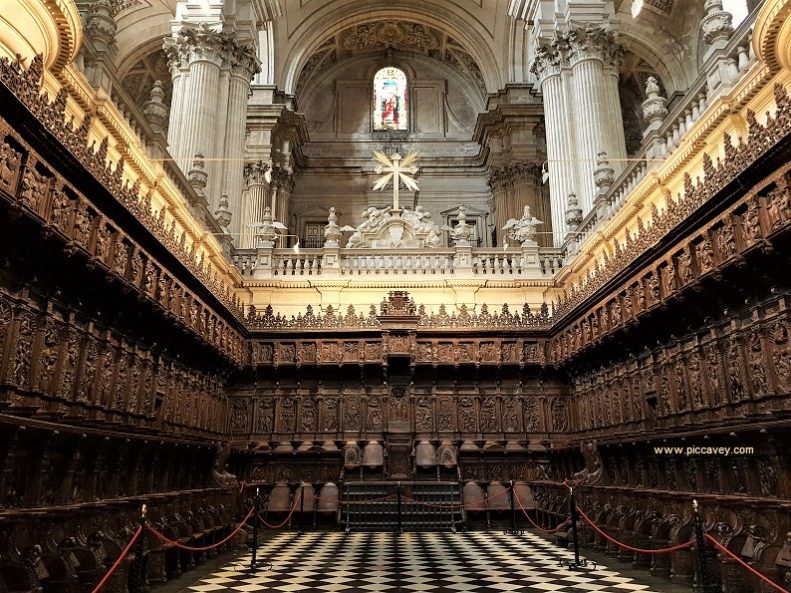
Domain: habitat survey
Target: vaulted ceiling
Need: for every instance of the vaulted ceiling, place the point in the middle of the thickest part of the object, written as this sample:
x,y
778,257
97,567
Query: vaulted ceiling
x,y
398,35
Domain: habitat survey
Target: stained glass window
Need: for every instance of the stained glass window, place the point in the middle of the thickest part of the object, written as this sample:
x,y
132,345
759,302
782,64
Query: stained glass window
x,y
390,100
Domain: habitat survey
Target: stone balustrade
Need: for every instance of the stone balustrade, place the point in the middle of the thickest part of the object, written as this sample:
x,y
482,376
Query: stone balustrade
x,y
537,263
721,70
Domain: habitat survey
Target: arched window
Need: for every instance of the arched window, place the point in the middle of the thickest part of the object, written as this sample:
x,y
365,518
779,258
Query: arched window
x,y
390,100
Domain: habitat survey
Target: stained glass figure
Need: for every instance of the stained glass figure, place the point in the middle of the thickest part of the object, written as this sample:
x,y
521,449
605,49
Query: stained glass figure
x,y
390,100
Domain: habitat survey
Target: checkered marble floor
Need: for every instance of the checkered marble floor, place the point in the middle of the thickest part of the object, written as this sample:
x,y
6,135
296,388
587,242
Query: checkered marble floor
x,y
480,562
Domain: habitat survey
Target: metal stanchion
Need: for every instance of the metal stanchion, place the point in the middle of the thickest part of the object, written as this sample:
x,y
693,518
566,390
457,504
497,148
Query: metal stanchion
x,y
398,508
140,549
705,581
315,501
578,562
256,519
514,530
301,529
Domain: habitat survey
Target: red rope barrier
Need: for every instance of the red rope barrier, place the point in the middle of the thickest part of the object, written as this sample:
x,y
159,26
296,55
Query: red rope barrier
x,y
286,520
688,544
203,548
120,558
745,565
554,530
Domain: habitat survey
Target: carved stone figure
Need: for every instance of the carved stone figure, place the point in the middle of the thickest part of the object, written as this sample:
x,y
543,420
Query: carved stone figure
x,y
523,230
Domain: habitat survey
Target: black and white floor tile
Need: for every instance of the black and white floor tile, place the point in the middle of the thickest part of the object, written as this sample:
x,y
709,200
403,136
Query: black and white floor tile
x,y
479,562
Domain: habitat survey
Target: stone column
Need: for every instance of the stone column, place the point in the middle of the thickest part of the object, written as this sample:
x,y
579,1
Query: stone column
x,y
547,66
201,51
256,178
179,71
243,68
211,82
594,57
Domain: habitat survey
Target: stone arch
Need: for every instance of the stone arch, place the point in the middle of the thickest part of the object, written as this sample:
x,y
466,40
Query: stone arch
x,y
663,56
331,20
141,31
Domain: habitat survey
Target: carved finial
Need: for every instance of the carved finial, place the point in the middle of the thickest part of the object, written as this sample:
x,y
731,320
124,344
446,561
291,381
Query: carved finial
x,y
604,175
155,110
100,25
655,105
197,175
573,212
223,214
332,232
717,24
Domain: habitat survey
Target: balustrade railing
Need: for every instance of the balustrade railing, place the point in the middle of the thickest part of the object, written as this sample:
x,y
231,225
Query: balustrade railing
x,y
285,264
718,74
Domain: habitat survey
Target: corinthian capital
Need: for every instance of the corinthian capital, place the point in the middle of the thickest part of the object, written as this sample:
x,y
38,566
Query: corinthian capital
x,y
243,60
258,173
548,60
591,42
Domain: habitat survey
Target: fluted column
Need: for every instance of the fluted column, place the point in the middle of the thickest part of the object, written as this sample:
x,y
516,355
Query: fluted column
x,y
211,81
238,90
200,49
256,175
179,71
547,66
593,57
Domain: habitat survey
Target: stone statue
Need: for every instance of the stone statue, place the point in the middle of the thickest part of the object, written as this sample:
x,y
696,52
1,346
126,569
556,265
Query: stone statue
x,y
524,229
266,230
385,228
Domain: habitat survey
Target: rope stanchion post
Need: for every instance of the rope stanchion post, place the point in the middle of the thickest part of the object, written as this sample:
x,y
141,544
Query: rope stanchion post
x,y
398,507
513,510
301,529
139,568
706,557
256,511
574,531
574,516
348,510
